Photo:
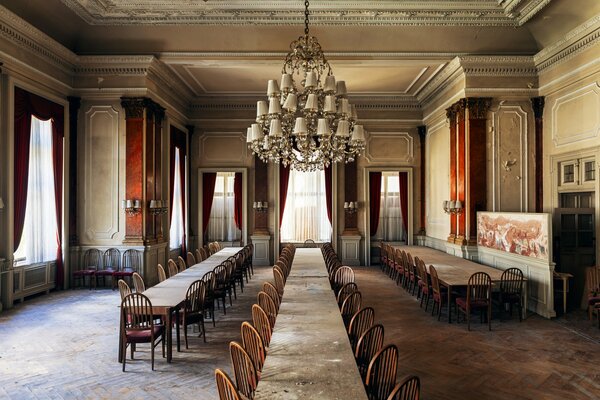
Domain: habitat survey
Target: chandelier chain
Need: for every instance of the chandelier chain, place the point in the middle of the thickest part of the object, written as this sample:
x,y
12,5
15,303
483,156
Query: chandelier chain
x,y
306,4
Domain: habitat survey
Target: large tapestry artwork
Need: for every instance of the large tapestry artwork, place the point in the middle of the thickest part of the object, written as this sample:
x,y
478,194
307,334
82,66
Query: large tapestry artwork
x,y
518,233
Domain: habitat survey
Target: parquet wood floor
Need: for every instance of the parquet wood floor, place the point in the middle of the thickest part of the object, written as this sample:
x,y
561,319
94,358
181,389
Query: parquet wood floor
x,y
64,346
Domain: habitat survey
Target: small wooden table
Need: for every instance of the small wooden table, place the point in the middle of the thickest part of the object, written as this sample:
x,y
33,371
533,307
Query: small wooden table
x,y
167,296
309,356
564,277
455,271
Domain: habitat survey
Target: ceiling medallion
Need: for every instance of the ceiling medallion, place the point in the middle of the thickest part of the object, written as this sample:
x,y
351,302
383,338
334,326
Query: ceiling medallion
x,y
310,126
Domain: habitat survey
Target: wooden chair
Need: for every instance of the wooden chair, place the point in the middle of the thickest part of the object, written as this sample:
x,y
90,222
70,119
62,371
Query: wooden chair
x,y
279,281
408,388
172,267
162,275
511,291
138,283
268,305
360,322
130,263
398,265
424,285
592,284
260,320
138,326
438,296
412,273
181,264
225,386
406,268
381,375
244,372
124,289
350,306
271,290
209,297
479,289
309,243
193,309
345,291
204,253
110,264
199,256
253,345
212,247
221,285
342,276
92,262
191,260
368,345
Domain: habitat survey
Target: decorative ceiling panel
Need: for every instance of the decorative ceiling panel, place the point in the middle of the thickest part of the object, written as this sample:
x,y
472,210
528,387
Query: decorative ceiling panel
x,y
325,12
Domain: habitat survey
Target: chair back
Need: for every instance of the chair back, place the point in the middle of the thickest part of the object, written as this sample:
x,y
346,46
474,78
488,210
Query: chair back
x,y
381,375
368,344
194,297
345,291
279,281
212,247
511,281
408,388
342,276
191,260
210,281
111,259
225,386
271,290
309,243
162,275
282,264
181,264
360,322
204,253
592,279
220,276
92,259
136,311
172,267
131,261
435,282
406,265
245,374
138,283
124,289
253,345
261,323
350,306
479,287
199,256
268,305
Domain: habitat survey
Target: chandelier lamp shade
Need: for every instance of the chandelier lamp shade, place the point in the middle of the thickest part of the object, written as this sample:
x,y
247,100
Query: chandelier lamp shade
x,y
307,121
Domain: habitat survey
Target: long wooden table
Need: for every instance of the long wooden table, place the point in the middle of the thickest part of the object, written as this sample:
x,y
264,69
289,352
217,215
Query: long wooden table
x,y
455,271
167,296
309,356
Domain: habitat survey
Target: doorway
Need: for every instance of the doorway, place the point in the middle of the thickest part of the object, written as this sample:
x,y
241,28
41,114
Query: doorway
x,y
575,240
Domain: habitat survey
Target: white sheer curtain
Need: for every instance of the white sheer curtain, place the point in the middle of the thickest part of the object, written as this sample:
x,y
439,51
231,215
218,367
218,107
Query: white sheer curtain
x,y
38,241
305,214
390,215
176,229
221,225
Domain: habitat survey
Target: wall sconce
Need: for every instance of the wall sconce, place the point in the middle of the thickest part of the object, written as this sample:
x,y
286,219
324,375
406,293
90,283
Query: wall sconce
x,y
156,207
131,207
1,204
351,207
453,207
260,206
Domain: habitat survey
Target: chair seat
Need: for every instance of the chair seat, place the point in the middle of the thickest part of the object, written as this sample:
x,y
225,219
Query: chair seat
x,y
88,271
123,273
593,300
106,272
514,297
462,303
143,336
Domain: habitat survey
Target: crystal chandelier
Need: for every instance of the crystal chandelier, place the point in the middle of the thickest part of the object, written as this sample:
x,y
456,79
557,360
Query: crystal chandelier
x,y
310,126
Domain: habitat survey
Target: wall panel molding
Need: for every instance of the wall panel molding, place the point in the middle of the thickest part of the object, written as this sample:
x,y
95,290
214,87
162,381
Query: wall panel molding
x,y
576,115
390,147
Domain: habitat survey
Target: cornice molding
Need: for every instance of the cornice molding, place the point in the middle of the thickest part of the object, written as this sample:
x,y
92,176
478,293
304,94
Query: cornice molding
x,y
576,41
238,12
523,10
27,37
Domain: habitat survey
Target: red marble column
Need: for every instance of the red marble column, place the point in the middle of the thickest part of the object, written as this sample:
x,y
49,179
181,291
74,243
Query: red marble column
x,y
350,194
422,136
461,131
538,111
159,115
261,193
451,115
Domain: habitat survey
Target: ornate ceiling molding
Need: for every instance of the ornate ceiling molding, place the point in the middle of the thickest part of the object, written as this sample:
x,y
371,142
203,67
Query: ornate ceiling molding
x,y
523,10
281,12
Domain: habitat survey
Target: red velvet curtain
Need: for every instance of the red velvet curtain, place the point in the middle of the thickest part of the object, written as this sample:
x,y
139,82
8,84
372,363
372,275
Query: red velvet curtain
x,y
209,179
284,179
237,199
375,200
328,194
28,105
404,200
178,141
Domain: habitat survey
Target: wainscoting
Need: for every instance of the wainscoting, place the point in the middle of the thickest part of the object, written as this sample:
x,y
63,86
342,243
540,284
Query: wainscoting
x,y
33,279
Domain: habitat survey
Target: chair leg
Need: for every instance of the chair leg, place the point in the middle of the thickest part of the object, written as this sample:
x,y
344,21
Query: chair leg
x,y
203,329
124,352
468,318
185,334
152,352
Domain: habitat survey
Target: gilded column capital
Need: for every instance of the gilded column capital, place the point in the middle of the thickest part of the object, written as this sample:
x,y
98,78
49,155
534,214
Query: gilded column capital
x,y
478,107
537,103
133,106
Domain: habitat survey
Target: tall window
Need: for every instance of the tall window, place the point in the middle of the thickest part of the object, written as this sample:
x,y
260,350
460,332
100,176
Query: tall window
x,y
176,229
221,225
390,215
305,214
38,241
